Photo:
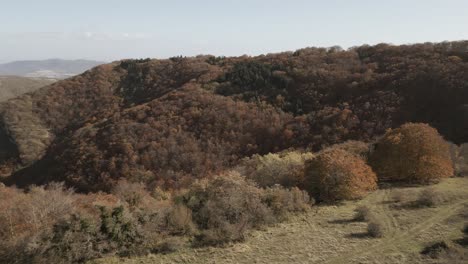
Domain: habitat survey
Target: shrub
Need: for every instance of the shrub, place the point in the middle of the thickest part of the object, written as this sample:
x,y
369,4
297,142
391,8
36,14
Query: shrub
x,y
283,202
118,226
54,225
169,245
399,196
70,241
414,153
286,169
464,240
434,250
80,239
362,213
179,220
77,239
221,235
375,228
132,193
25,214
461,162
335,174
358,148
160,195
429,197
446,251
225,207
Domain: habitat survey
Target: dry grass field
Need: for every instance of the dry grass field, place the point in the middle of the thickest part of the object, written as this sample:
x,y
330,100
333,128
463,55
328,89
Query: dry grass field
x,y
328,233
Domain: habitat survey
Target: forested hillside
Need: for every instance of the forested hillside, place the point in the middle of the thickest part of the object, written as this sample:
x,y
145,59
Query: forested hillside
x,y
142,157
168,121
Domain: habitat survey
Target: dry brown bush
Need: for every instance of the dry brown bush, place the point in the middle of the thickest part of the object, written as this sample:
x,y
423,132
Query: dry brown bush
x,y
414,153
27,215
24,214
132,193
179,220
446,252
362,213
358,148
160,195
429,197
461,161
283,202
54,225
225,207
286,169
399,196
335,174
169,245
375,228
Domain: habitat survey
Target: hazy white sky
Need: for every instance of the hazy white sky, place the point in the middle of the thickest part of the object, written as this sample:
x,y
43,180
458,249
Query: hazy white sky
x,y
114,29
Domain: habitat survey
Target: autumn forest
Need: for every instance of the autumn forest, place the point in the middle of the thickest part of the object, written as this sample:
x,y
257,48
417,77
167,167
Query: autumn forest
x,y
137,153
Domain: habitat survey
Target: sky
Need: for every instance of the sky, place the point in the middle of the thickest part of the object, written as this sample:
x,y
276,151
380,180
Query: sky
x,y
108,30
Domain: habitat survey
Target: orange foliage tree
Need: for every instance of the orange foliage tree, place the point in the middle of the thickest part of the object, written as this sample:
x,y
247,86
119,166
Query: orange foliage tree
x,y
335,174
413,153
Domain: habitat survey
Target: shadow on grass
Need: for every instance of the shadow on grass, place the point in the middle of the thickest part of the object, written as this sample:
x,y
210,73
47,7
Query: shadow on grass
x,y
343,221
462,242
397,184
412,205
360,235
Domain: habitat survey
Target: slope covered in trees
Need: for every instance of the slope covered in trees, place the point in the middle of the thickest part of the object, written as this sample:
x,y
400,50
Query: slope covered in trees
x,y
168,141
166,121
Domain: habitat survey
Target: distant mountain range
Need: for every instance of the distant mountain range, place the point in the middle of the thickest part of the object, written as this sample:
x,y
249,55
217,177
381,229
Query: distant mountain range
x,y
52,68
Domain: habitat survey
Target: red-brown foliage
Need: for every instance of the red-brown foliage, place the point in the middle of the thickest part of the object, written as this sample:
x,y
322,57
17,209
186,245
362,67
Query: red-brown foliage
x,y
24,214
414,153
169,141
333,94
335,174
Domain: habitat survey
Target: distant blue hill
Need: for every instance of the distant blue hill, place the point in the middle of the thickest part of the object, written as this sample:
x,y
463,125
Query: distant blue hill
x,y
52,68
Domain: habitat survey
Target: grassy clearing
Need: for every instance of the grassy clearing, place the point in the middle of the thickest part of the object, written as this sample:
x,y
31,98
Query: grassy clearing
x,y
12,86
